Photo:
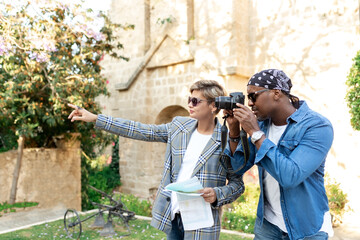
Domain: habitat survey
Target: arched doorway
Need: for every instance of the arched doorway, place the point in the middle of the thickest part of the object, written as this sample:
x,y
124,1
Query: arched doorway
x,y
167,114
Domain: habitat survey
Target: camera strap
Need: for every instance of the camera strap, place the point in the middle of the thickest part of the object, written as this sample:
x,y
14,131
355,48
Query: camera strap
x,y
245,145
244,142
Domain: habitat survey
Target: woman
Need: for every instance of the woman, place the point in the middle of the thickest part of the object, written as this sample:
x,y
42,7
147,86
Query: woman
x,y
199,136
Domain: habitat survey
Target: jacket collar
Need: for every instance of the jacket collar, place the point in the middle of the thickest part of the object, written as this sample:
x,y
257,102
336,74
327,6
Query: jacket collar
x,y
213,144
300,113
191,125
297,116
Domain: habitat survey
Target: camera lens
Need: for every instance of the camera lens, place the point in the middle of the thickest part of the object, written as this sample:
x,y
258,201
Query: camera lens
x,y
223,102
229,103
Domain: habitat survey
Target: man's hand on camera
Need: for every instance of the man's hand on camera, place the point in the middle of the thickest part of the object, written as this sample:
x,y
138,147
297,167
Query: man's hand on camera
x,y
80,114
233,123
247,118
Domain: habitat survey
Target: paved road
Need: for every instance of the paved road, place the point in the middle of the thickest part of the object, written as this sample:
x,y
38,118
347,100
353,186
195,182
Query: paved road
x,y
25,219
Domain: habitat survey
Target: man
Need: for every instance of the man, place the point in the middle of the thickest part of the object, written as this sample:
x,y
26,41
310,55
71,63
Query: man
x,y
289,143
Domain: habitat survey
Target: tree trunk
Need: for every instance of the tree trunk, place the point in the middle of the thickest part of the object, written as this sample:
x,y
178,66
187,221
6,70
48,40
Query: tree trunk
x,y
17,169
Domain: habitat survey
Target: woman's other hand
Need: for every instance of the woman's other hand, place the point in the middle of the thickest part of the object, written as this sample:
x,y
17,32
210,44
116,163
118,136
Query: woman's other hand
x,y
208,194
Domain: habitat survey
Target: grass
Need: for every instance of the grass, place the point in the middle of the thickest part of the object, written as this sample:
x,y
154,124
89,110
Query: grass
x,y
140,230
240,215
8,208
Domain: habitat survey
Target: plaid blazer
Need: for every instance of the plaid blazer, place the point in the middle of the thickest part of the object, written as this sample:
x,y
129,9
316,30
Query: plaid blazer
x,y
208,169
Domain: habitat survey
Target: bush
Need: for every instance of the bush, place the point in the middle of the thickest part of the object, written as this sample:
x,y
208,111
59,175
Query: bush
x,y
337,200
5,207
99,175
96,173
240,215
140,207
104,180
353,93
132,203
8,139
114,178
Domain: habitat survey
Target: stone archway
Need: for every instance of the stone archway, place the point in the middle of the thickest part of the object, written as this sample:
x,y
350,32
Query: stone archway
x,y
167,114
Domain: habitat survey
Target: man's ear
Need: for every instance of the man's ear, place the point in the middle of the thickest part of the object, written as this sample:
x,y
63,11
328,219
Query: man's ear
x,y
277,94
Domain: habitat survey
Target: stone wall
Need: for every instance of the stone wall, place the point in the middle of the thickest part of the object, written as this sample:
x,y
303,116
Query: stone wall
x,y
312,41
51,177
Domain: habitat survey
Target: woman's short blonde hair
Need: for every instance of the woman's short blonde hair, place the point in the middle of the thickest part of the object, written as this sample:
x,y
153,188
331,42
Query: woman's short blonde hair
x,y
210,89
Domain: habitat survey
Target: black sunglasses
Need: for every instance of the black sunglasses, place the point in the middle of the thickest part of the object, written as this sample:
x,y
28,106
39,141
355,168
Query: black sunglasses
x,y
195,101
252,96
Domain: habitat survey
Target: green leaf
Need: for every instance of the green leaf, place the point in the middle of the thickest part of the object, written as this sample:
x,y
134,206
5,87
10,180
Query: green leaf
x,y
353,94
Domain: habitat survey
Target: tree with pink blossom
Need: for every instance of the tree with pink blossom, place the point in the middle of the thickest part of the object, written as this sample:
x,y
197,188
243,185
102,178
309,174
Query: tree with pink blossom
x,y
50,53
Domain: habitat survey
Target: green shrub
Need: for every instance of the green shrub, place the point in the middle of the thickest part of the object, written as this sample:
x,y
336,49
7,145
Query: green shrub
x,y
135,204
8,139
353,92
114,178
132,203
104,180
240,215
5,207
96,173
337,200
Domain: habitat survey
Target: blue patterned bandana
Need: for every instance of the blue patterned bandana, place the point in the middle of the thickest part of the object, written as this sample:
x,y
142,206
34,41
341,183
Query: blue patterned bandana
x,y
271,79
274,79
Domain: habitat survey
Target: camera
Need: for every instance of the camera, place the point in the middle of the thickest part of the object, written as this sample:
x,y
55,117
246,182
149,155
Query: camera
x,y
229,103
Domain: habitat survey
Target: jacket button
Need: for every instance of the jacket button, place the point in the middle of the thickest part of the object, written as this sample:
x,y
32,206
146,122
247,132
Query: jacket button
x,y
168,199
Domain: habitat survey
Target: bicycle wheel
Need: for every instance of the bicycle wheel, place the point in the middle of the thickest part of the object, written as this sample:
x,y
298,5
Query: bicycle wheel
x,y
72,224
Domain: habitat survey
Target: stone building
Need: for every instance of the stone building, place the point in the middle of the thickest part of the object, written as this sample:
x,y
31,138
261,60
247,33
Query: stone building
x,y
177,42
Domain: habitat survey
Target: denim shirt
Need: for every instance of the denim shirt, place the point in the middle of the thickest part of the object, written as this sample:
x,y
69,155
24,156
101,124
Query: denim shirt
x,y
297,163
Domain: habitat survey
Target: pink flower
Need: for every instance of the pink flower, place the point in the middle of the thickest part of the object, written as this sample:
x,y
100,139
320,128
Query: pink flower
x,y
109,160
113,143
4,46
39,57
107,81
101,58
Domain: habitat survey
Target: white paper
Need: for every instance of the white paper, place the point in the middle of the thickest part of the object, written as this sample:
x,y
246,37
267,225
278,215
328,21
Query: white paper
x,y
195,212
191,185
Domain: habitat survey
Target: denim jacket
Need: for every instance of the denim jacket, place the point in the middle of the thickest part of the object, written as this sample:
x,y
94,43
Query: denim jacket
x,y
297,163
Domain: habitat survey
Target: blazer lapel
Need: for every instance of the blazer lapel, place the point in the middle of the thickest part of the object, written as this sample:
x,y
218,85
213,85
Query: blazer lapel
x,y
186,131
210,148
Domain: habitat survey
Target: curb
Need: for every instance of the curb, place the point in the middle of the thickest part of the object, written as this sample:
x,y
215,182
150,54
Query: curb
x,y
42,222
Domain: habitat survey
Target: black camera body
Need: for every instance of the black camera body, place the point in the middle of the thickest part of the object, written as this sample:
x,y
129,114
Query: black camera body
x,y
229,103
